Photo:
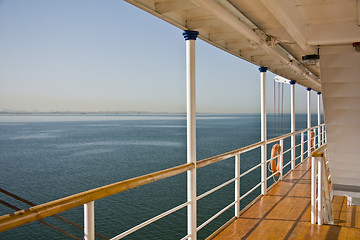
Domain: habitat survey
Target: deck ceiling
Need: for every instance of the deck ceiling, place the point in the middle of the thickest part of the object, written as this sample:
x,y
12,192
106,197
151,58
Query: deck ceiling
x,y
276,34
271,33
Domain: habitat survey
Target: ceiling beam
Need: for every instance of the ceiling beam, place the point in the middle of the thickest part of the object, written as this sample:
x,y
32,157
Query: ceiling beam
x,y
334,33
258,37
198,23
171,6
288,15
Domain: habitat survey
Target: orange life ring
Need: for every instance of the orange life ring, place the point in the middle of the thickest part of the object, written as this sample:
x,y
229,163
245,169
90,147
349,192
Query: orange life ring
x,y
275,165
312,137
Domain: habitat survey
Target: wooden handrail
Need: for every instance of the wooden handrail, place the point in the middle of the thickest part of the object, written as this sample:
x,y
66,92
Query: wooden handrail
x,y
218,158
320,151
38,212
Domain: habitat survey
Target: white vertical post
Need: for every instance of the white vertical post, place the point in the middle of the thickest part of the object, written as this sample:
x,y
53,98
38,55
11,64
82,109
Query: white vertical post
x,y
237,185
349,201
302,147
292,124
89,221
281,158
313,189
323,134
320,192
319,118
190,37
263,129
309,120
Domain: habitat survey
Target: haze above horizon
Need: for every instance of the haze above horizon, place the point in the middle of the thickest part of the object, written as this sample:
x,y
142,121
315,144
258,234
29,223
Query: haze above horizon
x,y
97,56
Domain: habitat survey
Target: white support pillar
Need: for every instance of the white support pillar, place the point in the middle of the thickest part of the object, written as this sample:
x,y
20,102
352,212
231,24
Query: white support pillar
x,y
89,221
309,120
190,37
302,147
320,191
319,118
237,185
292,110
263,130
281,159
313,189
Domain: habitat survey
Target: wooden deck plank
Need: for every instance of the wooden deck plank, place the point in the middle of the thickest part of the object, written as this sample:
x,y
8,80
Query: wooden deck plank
x,y
284,213
271,229
262,206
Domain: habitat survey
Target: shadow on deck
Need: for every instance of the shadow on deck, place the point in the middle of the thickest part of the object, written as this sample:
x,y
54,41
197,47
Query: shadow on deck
x,y
284,213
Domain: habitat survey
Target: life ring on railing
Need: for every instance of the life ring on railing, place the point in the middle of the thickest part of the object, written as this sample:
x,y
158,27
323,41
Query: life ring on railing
x,y
312,138
275,164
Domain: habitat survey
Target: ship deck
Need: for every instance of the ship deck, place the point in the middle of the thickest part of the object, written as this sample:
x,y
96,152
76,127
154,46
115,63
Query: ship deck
x,y
285,213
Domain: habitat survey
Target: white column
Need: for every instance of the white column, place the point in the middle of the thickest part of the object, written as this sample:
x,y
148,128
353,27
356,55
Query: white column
x,y
292,110
313,189
190,37
302,147
309,119
89,221
320,191
281,158
237,185
263,129
319,118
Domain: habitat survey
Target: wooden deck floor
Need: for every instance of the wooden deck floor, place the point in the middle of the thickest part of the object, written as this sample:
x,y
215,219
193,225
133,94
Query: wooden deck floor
x,y
284,213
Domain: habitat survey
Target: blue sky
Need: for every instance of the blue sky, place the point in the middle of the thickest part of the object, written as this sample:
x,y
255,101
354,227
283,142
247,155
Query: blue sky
x,y
75,55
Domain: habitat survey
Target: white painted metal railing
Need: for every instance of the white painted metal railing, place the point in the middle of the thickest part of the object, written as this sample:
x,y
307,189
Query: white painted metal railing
x,y
88,198
320,193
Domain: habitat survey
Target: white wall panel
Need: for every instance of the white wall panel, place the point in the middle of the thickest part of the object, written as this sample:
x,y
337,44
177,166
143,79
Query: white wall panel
x,y
340,76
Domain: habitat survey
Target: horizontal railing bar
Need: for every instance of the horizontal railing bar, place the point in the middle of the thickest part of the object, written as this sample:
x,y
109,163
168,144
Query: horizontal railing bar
x,y
38,212
43,222
320,151
298,145
286,164
289,134
297,165
278,171
186,237
250,191
276,139
287,151
215,189
227,155
218,158
272,158
251,169
216,215
60,205
55,216
158,217
314,127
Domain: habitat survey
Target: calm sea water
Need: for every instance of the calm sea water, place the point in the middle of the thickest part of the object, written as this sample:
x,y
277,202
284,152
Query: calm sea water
x,y
46,157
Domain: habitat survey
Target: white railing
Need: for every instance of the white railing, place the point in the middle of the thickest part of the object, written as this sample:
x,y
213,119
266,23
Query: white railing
x,y
89,197
320,191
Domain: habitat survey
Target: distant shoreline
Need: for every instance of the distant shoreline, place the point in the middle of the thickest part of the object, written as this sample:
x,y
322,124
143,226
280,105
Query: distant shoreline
x,y
118,113
82,113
